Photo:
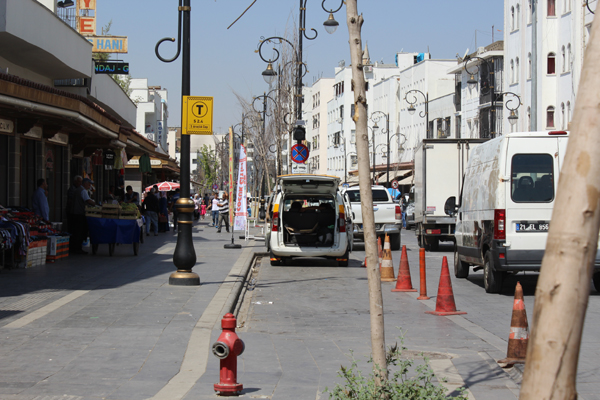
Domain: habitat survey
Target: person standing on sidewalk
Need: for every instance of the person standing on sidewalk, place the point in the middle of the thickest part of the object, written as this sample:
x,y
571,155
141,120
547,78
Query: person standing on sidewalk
x,y
40,200
151,206
223,213
215,211
174,209
80,226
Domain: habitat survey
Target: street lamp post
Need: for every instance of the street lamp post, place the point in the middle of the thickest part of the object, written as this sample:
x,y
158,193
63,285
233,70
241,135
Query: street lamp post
x,y
387,131
184,256
472,82
411,108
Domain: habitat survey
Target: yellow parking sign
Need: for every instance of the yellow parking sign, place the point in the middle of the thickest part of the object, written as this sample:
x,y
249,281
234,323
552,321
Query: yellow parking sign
x,y
197,118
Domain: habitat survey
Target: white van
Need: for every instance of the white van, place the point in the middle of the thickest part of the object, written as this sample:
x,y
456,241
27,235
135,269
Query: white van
x,y
506,205
309,219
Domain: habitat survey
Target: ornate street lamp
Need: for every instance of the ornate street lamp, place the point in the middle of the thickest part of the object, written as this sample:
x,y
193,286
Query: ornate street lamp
x,y
411,107
375,116
184,256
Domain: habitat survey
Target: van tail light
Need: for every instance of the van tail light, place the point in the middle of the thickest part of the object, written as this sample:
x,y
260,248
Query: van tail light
x,y
557,133
500,224
342,220
398,213
275,225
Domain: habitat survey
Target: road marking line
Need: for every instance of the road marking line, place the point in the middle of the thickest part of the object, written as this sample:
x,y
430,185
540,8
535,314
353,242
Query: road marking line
x,y
21,322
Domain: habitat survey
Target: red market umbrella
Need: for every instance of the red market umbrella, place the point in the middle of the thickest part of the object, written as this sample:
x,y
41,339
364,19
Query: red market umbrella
x,y
164,186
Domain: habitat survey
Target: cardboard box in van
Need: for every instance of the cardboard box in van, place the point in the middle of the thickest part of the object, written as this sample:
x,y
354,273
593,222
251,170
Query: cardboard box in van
x,y
505,207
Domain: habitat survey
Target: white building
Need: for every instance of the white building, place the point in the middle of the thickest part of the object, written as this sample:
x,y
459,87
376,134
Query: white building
x,y
316,125
152,111
562,32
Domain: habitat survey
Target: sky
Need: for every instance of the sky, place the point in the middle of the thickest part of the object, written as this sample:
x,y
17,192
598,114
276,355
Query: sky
x,y
224,62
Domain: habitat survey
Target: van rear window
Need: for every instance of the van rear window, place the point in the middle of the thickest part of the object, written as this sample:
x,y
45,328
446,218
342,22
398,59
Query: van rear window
x,y
532,178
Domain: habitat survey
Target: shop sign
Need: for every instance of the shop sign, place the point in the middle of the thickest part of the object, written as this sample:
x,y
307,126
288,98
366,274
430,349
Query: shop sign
x,y
6,125
153,162
108,44
116,68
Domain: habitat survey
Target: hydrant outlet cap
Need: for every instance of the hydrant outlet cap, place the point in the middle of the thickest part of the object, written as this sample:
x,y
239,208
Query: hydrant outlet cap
x,y
228,321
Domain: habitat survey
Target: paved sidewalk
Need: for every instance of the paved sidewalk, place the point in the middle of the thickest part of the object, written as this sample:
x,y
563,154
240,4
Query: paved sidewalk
x,y
100,327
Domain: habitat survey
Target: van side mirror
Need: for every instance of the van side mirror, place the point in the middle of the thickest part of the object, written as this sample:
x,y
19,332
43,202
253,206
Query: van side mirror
x,y
450,207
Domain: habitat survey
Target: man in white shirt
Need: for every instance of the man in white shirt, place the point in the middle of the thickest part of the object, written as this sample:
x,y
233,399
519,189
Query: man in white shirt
x,y
215,211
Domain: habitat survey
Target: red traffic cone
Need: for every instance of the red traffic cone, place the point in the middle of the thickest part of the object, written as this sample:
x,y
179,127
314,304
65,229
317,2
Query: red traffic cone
x,y
519,333
404,283
444,304
364,265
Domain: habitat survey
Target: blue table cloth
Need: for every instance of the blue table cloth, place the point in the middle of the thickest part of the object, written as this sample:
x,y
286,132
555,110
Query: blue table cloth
x,y
109,230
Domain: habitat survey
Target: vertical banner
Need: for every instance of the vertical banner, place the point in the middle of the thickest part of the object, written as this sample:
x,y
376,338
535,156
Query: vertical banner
x,y
240,200
231,209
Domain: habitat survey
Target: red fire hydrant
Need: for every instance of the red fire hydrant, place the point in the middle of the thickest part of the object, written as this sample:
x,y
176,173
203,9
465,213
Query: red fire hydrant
x,y
227,348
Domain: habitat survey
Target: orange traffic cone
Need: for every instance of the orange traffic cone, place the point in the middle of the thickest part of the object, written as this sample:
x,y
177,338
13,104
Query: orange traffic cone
x,y
364,265
519,333
387,265
444,304
404,283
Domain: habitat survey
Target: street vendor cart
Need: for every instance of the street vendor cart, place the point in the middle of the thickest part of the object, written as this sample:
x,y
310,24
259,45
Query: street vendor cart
x,y
109,226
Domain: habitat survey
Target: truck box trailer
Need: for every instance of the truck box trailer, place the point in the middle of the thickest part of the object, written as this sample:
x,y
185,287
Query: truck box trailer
x,y
439,168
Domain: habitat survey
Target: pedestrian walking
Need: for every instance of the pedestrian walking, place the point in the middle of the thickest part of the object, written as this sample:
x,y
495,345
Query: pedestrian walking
x,y
174,208
40,200
215,211
223,212
151,207
163,209
203,209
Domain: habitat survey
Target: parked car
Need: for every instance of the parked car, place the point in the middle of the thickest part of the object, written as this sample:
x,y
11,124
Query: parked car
x,y
309,219
506,206
388,215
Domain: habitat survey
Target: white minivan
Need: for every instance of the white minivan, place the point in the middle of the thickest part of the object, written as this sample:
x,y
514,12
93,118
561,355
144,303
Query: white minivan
x,y
506,205
310,218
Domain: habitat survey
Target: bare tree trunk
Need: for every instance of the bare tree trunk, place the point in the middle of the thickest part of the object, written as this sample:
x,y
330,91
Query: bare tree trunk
x,y
362,149
562,291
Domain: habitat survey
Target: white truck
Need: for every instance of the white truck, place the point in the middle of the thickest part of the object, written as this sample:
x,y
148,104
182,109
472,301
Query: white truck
x,y
439,168
388,216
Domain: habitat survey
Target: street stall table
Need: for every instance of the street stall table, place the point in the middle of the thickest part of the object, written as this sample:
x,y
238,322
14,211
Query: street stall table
x,y
112,231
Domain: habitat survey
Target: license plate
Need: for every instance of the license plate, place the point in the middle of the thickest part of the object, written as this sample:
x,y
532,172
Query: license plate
x,y
541,226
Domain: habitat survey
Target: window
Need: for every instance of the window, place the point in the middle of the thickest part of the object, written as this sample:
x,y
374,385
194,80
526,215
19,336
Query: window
x,y
550,117
551,64
529,66
342,112
457,122
518,17
353,160
568,113
532,178
562,115
568,57
563,59
552,8
529,118
512,18
512,71
517,70
530,12
353,137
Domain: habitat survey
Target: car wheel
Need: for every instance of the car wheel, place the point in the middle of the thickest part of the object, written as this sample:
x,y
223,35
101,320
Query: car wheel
x,y
596,280
461,268
492,279
395,242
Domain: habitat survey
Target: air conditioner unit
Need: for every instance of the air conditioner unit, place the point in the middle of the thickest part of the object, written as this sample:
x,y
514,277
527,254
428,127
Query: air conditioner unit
x,y
369,68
